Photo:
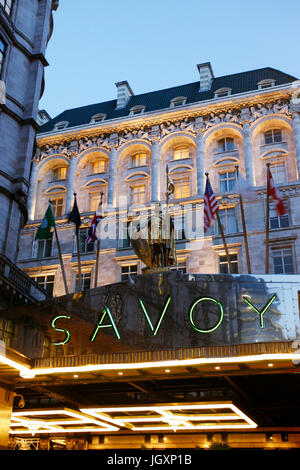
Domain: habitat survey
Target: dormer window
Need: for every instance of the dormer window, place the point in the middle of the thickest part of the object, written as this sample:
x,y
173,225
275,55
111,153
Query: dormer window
x,y
98,166
138,159
98,117
267,83
178,101
59,173
137,110
61,125
221,92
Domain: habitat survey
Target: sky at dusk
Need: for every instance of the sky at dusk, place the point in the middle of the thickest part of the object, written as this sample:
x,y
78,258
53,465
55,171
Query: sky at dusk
x,y
157,44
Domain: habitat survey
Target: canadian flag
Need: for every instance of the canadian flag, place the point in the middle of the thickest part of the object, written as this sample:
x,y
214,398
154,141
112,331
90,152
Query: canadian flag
x,y
274,193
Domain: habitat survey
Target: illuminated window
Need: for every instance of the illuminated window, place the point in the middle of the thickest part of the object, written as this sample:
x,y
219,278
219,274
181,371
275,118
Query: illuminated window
x,y
99,166
228,221
58,206
46,282
139,159
2,52
182,187
83,247
43,248
278,173
181,153
6,5
95,199
273,136
85,283
283,261
59,173
224,266
226,144
138,194
277,221
227,182
7,327
130,269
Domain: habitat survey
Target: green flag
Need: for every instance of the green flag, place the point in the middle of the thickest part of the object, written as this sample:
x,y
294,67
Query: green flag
x,y
48,221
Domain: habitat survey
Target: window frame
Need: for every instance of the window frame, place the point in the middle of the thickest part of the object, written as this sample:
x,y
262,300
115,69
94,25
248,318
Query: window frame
x,y
225,211
182,149
291,255
273,139
55,205
44,242
85,275
138,159
133,193
234,263
7,6
45,283
130,271
276,174
59,176
84,248
226,141
96,163
226,181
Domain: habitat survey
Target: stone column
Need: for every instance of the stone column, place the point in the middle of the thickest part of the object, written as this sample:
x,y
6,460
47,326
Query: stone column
x,y
155,173
31,201
200,163
296,129
112,177
71,183
248,153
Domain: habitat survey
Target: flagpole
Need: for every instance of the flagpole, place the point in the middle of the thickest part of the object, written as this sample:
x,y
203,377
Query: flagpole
x,y
244,226
267,219
60,258
223,238
78,253
97,256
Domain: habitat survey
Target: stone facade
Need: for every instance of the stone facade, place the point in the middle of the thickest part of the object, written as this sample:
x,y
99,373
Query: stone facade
x,y
127,157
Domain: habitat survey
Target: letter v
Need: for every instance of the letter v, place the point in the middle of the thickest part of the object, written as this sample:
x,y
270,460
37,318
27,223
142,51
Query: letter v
x,y
155,330
264,309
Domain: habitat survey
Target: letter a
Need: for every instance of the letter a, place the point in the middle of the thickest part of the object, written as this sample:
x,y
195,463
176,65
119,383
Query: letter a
x,y
112,324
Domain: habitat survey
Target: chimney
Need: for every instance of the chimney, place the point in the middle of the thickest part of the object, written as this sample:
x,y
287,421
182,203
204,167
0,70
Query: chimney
x,y
124,94
206,76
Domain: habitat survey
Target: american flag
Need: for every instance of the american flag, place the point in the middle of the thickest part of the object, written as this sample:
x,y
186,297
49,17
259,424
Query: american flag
x,y
210,205
274,193
91,237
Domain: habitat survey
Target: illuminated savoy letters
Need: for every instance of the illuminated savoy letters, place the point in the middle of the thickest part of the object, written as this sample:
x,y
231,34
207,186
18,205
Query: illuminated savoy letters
x,y
106,315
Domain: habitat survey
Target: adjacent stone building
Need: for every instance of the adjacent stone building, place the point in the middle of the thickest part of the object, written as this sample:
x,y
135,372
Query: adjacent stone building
x,y
124,148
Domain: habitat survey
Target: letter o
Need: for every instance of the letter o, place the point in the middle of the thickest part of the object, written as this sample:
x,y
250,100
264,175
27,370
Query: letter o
x,y
218,322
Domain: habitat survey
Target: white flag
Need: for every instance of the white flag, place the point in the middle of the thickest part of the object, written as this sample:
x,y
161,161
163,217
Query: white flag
x,y
244,189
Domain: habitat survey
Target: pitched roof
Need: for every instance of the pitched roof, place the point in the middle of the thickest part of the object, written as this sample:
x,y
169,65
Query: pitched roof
x,y
160,99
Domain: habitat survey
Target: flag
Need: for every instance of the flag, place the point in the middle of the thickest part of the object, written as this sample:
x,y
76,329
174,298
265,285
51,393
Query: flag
x,y
75,215
170,184
210,205
44,230
244,188
274,193
92,235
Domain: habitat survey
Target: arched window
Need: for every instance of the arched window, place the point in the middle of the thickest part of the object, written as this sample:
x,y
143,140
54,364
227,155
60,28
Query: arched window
x,y
59,173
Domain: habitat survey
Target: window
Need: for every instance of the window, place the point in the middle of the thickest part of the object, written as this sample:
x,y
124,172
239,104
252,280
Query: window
x,y
139,159
182,187
226,144
138,194
85,283
2,52
98,166
224,266
59,173
7,327
95,199
178,221
130,269
273,136
6,5
137,110
179,101
84,247
61,125
227,182
283,261
181,266
228,221
278,173
277,221
267,83
180,153
124,240
46,282
221,92
43,248
58,206
98,117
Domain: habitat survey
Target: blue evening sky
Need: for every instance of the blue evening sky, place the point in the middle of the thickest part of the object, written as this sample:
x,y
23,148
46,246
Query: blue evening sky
x,y
157,44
